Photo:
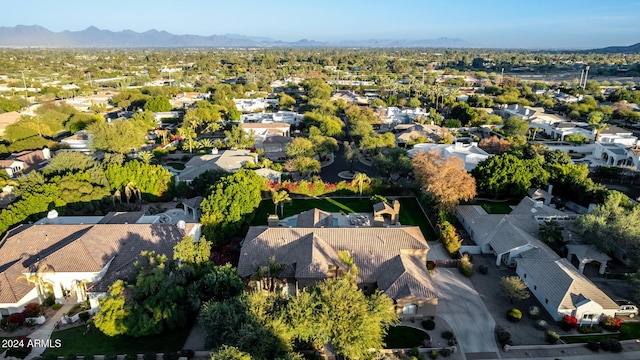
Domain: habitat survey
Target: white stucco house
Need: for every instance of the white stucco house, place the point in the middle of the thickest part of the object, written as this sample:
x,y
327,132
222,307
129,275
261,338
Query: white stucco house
x,y
470,154
559,286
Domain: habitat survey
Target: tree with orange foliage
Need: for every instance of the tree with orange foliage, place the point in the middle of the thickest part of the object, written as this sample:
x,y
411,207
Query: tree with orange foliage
x,y
444,178
495,145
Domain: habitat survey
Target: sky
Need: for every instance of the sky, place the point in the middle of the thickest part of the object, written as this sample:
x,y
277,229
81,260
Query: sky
x,y
549,24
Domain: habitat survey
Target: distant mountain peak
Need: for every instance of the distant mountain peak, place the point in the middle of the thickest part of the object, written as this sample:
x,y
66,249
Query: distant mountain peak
x,y
37,36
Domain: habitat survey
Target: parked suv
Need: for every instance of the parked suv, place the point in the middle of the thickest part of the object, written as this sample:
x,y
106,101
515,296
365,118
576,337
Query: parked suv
x,y
626,308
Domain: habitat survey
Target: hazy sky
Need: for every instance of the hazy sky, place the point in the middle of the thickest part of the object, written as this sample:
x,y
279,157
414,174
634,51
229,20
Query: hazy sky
x,y
486,23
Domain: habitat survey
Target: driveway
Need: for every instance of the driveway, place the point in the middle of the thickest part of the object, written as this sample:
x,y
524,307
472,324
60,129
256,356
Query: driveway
x,y
461,306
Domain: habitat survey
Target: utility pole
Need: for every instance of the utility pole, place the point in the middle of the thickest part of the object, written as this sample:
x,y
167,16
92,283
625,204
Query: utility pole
x,y
501,76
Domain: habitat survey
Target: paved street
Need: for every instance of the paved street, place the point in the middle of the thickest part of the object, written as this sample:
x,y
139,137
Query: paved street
x,y
330,173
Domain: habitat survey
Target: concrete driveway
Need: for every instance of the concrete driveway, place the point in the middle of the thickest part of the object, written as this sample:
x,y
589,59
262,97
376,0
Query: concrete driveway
x,y
461,306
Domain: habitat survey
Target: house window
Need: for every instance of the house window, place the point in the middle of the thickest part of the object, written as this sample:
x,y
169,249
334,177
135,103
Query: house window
x,y
587,316
409,309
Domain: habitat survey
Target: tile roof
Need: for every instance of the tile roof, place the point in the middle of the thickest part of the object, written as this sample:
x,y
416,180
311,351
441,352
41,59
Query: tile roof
x,y
78,248
309,253
561,282
314,218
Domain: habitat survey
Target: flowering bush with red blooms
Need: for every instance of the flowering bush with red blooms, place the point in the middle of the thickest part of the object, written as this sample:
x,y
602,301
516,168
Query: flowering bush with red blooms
x,y
569,322
32,310
17,318
611,323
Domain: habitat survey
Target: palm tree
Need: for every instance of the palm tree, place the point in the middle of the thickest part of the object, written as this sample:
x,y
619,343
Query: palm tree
x,y
145,156
551,232
130,190
598,123
360,179
36,276
189,136
279,198
268,274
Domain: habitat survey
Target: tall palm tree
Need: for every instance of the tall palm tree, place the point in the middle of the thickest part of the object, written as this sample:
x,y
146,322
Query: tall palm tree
x,y
130,190
598,123
36,276
279,198
189,136
360,179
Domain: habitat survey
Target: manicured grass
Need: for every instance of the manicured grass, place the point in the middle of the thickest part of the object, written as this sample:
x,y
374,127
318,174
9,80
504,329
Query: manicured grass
x,y
411,214
586,338
410,211
628,331
400,337
175,165
75,341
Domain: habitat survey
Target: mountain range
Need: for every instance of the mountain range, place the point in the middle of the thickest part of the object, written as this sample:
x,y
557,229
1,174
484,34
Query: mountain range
x,y
92,37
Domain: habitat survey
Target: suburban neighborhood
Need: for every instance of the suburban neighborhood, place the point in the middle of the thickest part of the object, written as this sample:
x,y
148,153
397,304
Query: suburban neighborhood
x,y
318,202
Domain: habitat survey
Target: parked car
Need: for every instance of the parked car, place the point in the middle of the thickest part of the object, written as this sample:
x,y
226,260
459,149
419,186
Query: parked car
x,y
626,308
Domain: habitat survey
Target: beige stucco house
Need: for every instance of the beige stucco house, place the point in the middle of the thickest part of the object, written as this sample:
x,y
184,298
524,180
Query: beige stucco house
x,y
391,259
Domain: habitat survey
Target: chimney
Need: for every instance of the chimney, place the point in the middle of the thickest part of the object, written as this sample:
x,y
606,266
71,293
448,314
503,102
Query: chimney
x,y
273,220
547,201
46,153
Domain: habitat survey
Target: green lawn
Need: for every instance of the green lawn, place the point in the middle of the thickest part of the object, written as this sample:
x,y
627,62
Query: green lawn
x,y
410,211
628,331
400,337
74,341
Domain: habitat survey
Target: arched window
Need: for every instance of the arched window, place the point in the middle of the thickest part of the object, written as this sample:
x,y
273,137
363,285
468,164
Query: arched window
x,y
409,309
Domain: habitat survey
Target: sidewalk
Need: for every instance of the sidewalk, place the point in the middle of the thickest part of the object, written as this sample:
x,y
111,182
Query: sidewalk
x,y
44,332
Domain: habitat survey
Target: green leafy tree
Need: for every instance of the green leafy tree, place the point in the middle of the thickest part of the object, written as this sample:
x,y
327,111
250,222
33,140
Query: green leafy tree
x,y
449,238
507,174
237,138
233,201
120,136
514,126
300,147
158,104
324,145
336,312
153,304
227,352
514,288
551,232
153,181
286,102
303,165
192,252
